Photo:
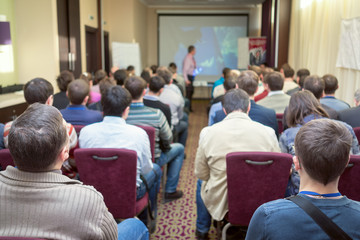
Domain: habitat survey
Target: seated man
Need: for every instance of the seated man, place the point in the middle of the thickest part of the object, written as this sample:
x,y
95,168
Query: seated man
x,y
151,99
351,115
276,98
237,132
113,132
322,153
221,80
301,74
331,85
165,152
37,200
77,113
288,74
63,80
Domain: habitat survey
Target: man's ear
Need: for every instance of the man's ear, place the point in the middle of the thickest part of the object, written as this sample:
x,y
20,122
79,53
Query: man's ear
x,y
249,107
224,111
86,99
64,153
296,163
50,100
126,113
161,90
144,92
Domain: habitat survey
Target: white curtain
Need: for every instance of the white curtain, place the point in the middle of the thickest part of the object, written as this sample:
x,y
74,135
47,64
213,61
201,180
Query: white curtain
x,y
314,40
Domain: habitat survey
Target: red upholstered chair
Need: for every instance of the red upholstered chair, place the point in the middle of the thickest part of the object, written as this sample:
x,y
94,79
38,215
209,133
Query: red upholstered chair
x,y
21,238
5,159
279,119
357,133
78,128
350,179
254,178
112,172
151,133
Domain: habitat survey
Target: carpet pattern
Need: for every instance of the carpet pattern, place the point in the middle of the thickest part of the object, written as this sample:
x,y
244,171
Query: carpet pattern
x,y
177,219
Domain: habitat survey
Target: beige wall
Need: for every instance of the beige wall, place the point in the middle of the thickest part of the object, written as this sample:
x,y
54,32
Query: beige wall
x,y
152,26
88,17
37,40
140,28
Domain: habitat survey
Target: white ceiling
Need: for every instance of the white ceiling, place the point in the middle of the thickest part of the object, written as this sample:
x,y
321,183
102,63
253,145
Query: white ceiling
x,y
207,3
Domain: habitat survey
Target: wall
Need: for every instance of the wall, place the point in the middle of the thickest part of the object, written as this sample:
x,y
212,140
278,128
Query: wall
x,y
152,25
37,40
9,76
140,28
88,9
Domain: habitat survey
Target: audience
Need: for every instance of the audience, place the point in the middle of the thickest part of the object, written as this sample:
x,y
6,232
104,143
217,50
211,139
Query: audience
x,y
225,73
178,79
165,152
151,99
120,76
130,70
103,85
93,96
301,74
145,74
54,205
77,113
303,108
219,90
99,75
321,154
276,98
176,103
63,80
113,132
351,115
237,132
265,92
288,74
331,85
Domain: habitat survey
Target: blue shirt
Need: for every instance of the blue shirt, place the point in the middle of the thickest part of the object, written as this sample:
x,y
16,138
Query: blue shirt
x,y
334,103
81,115
113,132
283,219
217,83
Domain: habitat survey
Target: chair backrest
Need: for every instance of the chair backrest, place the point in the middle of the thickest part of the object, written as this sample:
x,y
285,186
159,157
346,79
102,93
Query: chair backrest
x,y
151,133
357,133
113,173
78,128
350,179
5,159
279,119
20,238
254,178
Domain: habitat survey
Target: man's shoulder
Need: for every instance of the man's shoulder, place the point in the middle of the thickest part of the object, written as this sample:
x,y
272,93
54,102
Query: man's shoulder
x,y
262,110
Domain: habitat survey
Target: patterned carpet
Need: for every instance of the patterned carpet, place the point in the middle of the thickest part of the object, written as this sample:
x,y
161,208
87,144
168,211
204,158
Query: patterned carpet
x,y
177,219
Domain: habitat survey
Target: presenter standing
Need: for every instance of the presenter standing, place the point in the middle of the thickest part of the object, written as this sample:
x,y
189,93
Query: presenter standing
x,y
189,66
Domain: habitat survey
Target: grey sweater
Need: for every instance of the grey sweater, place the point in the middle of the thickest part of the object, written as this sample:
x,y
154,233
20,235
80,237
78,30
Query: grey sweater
x,y
50,205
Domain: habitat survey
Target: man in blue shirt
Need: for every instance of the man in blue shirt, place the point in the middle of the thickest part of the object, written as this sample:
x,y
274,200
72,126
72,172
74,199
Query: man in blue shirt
x,y
77,113
331,85
322,149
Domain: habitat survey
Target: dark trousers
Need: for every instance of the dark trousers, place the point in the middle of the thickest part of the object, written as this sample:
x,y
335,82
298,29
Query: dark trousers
x,y
190,89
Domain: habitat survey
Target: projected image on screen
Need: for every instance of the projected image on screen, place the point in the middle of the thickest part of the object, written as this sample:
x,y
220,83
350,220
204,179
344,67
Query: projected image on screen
x,y
214,37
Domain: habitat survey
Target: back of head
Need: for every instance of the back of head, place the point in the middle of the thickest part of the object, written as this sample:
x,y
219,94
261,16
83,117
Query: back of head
x,y
191,48
77,91
156,84
64,79
135,85
314,84
302,74
302,104
288,71
37,137
120,76
256,69
248,81
265,71
38,90
331,83
86,76
145,74
236,100
234,73
275,81
323,148
99,75
165,74
130,68
229,83
115,100
173,65
226,72
105,84
172,69
154,68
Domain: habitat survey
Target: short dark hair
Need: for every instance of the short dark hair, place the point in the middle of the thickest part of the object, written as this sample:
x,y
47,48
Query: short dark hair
x,y
115,100
302,104
64,79
130,68
331,83
38,90
229,83
275,81
156,84
165,74
234,100
145,74
302,74
154,68
135,85
248,81
288,71
105,84
190,48
37,137
226,72
120,76
172,65
314,84
99,75
86,76
77,91
323,148
256,69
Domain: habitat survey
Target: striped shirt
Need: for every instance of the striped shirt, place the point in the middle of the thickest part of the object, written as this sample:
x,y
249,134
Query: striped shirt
x,y
145,116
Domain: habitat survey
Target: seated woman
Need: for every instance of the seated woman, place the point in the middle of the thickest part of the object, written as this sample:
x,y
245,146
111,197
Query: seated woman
x,y
304,107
